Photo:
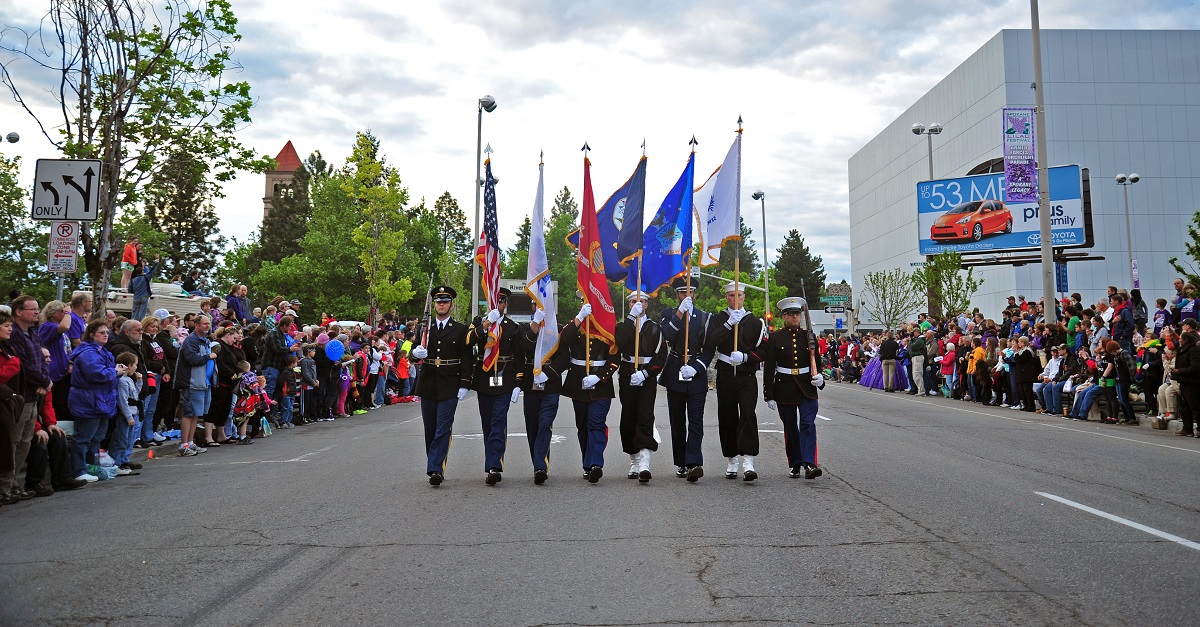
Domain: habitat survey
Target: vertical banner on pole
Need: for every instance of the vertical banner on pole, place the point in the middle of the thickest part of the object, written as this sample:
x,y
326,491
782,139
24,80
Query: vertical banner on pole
x,y
1020,164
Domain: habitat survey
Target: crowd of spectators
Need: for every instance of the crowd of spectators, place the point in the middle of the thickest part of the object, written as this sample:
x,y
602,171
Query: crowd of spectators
x,y
1103,359
79,393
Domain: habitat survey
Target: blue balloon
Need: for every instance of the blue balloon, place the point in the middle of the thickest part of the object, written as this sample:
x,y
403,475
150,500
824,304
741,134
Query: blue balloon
x,y
334,350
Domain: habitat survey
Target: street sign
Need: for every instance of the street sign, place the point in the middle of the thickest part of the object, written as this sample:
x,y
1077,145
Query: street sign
x,y
837,323
1060,277
66,189
835,300
835,310
64,247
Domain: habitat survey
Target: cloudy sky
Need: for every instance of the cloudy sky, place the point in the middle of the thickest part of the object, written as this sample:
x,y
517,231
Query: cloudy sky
x,y
813,82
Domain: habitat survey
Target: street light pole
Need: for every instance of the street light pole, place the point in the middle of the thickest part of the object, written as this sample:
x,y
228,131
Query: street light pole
x,y
1125,182
486,103
928,132
762,198
1043,175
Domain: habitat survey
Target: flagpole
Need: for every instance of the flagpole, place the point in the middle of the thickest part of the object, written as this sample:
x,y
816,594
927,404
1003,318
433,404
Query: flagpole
x,y
737,261
687,268
587,330
637,323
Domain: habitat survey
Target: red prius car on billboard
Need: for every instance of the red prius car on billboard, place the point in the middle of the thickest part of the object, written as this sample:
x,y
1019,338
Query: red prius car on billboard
x,y
973,221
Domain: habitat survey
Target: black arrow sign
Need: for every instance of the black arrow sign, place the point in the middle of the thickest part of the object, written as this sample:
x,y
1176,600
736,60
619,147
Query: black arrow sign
x,y
48,186
86,193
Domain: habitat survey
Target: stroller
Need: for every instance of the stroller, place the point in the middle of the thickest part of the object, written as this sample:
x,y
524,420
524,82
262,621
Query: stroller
x,y
252,406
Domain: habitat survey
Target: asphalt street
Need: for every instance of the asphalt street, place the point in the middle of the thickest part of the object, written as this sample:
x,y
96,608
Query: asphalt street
x,y
930,512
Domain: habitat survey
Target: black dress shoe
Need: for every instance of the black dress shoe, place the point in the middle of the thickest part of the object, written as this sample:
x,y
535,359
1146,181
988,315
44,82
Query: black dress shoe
x,y
594,474
436,478
493,477
132,465
681,472
644,476
71,484
694,473
796,472
43,491
812,471
750,476
539,477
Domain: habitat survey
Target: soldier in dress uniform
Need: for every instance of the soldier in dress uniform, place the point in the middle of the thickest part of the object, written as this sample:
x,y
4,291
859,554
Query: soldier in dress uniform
x,y
790,386
687,384
737,380
589,385
637,374
542,384
446,368
497,387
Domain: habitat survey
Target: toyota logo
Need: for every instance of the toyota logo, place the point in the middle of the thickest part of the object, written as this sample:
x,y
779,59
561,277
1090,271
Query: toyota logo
x,y
1034,239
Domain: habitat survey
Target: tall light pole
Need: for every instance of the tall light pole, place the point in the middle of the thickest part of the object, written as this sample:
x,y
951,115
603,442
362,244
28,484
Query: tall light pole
x,y
762,199
1043,175
928,132
486,103
1125,182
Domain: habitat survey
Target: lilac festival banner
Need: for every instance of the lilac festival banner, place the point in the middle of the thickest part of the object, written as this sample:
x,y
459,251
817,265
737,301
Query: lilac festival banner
x,y
1020,162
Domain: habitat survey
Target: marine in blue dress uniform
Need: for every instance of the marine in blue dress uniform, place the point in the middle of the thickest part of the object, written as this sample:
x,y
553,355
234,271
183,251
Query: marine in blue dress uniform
x,y
687,384
589,385
447,363
737,380
497,387
638,371
790,386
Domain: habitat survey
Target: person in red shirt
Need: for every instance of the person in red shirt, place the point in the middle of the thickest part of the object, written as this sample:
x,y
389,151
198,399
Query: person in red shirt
x,y
129,259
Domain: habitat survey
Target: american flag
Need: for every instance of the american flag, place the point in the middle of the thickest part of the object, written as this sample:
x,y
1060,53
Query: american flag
x,y
487,255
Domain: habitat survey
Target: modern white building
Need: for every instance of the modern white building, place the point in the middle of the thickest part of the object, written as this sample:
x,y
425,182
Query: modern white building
x,y
1116,102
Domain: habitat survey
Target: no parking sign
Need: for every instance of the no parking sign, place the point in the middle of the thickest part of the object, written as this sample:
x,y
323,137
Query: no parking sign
x,y
64,247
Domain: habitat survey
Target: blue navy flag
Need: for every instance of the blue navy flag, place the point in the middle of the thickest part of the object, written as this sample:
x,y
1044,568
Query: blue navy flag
x,y
668,238
621,212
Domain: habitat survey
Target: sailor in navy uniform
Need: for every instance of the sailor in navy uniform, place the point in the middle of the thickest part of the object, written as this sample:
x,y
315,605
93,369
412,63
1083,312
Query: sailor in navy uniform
x,y
791,388
687,384
445,376
637,375
589,385
737,380
497,387
542,384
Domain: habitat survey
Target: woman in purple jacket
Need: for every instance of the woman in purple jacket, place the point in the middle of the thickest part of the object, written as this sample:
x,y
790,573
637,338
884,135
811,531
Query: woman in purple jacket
x,y
93,396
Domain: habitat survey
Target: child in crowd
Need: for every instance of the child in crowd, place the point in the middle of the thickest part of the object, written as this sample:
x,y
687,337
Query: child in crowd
x,y
308,383
242,408
290,384
402,365
253,405
129,385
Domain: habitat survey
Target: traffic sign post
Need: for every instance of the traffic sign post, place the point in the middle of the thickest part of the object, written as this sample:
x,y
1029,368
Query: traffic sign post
x,y
835,310
835,300
64,247
66,189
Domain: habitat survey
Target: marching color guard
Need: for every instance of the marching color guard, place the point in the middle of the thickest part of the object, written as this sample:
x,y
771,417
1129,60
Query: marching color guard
x,y
684,329
496,387
445,376
589,385
737,381
790,386
541,396
638,342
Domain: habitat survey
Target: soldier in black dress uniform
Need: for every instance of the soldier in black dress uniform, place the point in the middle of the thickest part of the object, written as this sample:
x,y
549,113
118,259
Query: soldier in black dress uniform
x,y
790,386
638,389
446,368
737,380
687,384
590,387
542,384
497,387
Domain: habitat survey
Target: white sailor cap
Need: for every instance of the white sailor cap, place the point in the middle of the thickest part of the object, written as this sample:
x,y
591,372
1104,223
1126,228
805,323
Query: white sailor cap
x,y
735,286
792,303
637,295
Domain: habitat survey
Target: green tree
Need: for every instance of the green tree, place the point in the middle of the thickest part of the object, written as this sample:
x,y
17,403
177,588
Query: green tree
x,y
137,84
177,203
891,296
236,265
1191,244
563,267
284,227
23,241
516,259
565,205
948,287
452,227
798,269
379,236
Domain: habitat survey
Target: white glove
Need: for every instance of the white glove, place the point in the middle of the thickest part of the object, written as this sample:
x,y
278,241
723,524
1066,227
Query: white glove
x,y
493,316
539,316
516,395
687,371
772,405
737,357
590,381
736,316
819,381
462,394
636,310
541,378
584,312
637,378
420,353
685,305
938,359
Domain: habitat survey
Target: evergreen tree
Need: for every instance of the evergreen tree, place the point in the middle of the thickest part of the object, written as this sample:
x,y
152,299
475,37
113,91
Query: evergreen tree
x,y
799,270
452,227
285,224
516,259
565,205
23,241
178,203
1191,245
564,218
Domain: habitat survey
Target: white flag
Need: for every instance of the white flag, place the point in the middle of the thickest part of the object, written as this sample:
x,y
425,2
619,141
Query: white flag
x,y
718,206
537,282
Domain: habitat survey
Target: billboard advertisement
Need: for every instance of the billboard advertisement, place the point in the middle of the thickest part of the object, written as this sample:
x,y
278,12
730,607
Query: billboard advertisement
x,y
972,215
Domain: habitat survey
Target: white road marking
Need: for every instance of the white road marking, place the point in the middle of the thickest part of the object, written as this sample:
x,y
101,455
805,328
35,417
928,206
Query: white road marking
x,y
1124,521
770,431
1041,424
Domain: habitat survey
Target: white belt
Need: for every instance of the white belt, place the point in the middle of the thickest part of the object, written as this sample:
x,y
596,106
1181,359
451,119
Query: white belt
x,y
792,371
729,360
580,362
629,360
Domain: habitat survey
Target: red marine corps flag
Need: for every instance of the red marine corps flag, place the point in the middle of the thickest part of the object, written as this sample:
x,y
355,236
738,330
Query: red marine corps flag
x,y
487,255
593,284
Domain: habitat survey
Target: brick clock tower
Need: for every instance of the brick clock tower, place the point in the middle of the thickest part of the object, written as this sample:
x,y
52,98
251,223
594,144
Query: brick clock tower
x,y
279,180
